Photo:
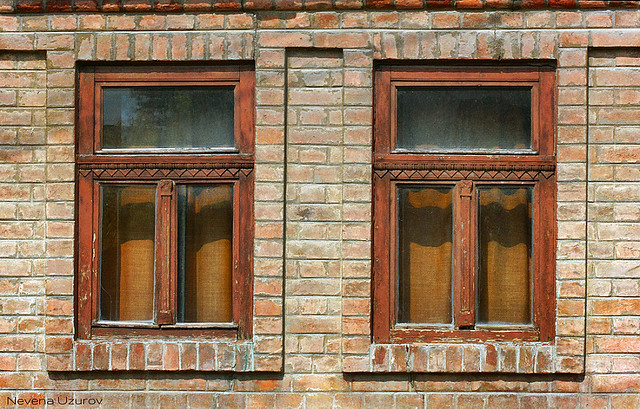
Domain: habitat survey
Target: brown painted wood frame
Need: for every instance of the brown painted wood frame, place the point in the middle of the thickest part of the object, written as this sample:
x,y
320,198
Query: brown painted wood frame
x,y
464,171
96,167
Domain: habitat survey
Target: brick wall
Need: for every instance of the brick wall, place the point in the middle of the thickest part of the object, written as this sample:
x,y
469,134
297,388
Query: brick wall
x,y
23,115
614,109
312,274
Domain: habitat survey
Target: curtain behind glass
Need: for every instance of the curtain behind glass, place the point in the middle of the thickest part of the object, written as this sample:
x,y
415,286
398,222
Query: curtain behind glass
x,y
205,227
127,257
425,254
504,276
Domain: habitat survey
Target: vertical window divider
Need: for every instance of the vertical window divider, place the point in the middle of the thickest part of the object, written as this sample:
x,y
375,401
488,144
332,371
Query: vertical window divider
x,y
464,256
165,253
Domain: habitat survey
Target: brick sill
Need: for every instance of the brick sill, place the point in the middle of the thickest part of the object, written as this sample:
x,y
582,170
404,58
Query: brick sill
x,y
490,357
155,355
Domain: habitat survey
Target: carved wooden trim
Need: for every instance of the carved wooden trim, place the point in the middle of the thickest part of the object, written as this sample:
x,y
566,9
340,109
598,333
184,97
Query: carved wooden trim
x,y
113,172
460,174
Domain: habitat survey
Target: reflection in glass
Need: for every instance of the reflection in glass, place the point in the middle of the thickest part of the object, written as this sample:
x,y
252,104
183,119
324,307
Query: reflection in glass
x,y
463,118
168,117
205,225
425,237
127,253
504,276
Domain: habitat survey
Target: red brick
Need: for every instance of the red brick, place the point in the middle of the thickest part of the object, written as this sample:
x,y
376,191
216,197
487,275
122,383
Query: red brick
x,y
30,363
15,381
624,401
491,358
16,343
101,357
136,5
92,22
197,5
626,39
167,6
563,3
59,326
319,383
352,40
92,5
119,357
29,6
436,4
445,20
469,4
616,383
118,384
227,5
469,401
137,356
532,3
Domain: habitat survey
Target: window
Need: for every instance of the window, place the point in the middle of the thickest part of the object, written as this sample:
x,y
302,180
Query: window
x,y
464,203
165,200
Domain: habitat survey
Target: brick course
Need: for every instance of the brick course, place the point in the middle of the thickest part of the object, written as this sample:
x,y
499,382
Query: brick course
x,y
62,6
311,345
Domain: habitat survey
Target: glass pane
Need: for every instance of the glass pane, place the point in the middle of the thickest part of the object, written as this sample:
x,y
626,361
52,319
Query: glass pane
x,y
205,226
464,118
127,256
504,279
425,244
167,117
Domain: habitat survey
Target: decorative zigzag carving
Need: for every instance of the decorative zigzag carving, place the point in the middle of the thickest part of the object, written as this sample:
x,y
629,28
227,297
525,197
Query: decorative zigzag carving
x,y
457,174
164,173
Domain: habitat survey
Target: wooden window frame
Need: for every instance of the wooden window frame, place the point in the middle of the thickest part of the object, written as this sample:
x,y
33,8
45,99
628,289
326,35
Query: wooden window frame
x,y
465,170
164,168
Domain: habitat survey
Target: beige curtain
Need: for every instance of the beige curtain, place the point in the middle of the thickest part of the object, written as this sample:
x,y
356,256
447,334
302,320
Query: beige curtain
x,y
208,284
136,238
426,256
505,243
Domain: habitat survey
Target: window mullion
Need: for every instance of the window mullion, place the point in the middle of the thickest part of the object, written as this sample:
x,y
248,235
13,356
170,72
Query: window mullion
x,y
464,255
165,270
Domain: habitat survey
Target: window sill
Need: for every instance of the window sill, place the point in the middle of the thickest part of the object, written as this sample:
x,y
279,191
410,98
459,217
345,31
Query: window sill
x,y
158,354
412,334
175,331
516,357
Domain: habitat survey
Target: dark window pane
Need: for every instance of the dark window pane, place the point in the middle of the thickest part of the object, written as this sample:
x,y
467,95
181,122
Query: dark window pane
x,y
504,279
425,260
464,118
127,256
205,225
168,117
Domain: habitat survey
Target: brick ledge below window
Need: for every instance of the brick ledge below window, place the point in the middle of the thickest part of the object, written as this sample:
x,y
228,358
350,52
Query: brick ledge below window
x,y
489,357
163,355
